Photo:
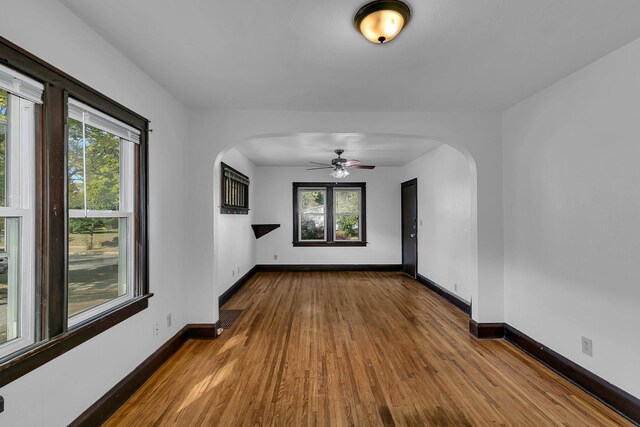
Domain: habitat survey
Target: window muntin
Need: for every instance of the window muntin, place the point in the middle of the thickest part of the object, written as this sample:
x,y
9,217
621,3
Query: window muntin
x,y
17,170
312,214
329,214
100,197
347,214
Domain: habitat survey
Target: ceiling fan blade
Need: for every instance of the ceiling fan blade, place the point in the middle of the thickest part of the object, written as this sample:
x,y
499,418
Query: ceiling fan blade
x,y
352,162
323,164
361,167
324,167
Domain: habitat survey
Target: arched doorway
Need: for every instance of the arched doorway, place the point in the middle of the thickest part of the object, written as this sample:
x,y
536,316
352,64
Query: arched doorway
x,y
278,145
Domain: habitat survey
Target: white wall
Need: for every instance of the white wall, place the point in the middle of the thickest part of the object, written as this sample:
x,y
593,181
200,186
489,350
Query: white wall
x,y
444,218
235,236
56,393
478,135
572,216
274,204
571,228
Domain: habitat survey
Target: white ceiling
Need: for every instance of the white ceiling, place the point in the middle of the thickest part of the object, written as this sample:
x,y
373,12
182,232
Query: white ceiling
x,y
455,55
300,149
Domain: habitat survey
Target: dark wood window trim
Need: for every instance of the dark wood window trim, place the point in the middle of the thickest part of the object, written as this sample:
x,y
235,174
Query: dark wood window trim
x,y
40,353
234,191
52,335
329,186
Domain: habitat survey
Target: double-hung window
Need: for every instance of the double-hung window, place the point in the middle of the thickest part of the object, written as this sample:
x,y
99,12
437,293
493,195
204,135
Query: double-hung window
x,y
18,98
73,213
100,197
329,214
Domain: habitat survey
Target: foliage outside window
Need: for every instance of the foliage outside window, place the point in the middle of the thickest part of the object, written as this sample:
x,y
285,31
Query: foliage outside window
x,y
329,214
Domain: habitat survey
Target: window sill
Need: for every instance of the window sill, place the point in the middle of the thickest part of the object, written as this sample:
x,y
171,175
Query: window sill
x,y
36,355
329,244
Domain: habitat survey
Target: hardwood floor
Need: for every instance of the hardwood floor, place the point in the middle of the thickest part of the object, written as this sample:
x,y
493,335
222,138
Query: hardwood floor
x,y
354,348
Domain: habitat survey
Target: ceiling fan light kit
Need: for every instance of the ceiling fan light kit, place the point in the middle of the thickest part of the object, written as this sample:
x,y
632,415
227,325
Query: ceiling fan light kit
x,y
382,20
340,165
339,172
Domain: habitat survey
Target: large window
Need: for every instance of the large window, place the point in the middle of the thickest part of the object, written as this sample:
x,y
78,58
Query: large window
x,y
100,199
73,213
329,214
17,135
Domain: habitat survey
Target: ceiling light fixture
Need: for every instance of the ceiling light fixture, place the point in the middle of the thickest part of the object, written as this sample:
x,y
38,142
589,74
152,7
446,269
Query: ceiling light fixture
x,y
339,172
382,20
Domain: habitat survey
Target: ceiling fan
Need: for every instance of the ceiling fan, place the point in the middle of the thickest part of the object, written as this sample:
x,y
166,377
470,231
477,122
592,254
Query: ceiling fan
x,y
339,165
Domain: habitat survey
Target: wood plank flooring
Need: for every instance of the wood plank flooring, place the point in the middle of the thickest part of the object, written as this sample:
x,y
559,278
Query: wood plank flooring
x,y
354,348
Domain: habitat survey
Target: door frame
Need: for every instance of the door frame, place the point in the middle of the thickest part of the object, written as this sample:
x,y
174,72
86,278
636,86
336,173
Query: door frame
x,y
413,181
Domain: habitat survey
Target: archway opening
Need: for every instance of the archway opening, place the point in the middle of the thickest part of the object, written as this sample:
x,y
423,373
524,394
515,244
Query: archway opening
x,y
447,204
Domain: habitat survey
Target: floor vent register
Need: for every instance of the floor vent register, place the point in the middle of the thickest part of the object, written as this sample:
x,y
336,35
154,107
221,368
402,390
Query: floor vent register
x,y
227,317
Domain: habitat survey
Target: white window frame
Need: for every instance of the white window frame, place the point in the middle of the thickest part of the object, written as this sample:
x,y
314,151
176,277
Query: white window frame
x,y
336,214
126,211
20,203
300,207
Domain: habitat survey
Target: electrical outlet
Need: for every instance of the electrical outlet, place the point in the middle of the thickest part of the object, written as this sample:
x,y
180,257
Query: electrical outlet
x,y
275,256
168,320
238,270
455,287
156,329
587,346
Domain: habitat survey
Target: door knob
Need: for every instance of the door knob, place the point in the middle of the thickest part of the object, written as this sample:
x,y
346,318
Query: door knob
x,y
413,235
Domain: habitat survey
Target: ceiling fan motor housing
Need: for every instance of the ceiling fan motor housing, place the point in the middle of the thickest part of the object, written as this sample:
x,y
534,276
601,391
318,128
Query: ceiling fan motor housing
x,y
338,161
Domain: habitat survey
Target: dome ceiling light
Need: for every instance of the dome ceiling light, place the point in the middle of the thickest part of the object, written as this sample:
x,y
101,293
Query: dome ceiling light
x,y
382,20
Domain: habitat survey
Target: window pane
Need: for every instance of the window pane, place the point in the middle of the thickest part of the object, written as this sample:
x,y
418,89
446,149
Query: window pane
x,y
4,116
312,201
347,208
97,261
100,154
347,227
347,202
9,279
312,214
312,227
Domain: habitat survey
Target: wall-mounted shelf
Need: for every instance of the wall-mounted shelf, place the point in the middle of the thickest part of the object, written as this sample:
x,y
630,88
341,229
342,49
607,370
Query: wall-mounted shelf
x,y
261,229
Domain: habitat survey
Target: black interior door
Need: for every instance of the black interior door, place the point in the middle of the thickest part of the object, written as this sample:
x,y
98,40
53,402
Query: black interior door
x,y
410,227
